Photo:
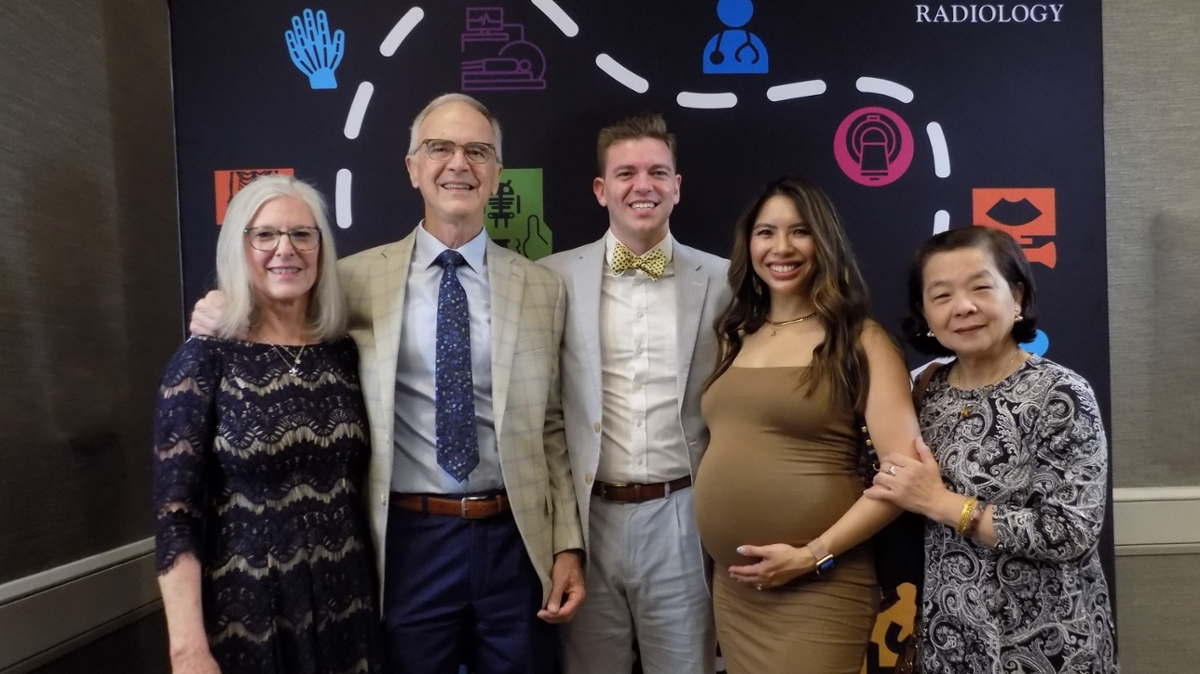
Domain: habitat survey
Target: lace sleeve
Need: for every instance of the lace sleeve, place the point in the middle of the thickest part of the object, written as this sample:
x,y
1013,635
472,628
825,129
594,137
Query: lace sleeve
x,y
184,425
1061,520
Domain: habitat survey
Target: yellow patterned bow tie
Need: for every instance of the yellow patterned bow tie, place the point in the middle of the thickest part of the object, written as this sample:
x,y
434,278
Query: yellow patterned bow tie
x,y
652,263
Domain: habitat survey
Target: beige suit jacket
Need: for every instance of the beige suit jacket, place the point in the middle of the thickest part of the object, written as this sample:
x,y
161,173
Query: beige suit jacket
x,y
701,294
528,311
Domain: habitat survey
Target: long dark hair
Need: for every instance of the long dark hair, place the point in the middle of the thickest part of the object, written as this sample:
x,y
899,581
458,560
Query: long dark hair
x,y
839,294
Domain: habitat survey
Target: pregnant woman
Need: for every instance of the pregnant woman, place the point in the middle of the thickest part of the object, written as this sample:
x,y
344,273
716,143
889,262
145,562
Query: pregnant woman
x,y
778,499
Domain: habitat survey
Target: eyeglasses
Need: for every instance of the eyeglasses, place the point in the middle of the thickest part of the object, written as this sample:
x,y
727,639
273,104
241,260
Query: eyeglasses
x,y
266,239
443,150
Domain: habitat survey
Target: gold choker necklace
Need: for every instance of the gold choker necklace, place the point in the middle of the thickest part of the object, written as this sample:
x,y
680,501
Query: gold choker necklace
x,y
782,324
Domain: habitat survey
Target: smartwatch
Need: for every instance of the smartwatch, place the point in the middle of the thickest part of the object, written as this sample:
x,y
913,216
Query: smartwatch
x,y
825,561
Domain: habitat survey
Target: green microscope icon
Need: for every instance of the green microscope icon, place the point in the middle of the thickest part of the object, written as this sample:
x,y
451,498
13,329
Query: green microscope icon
x,y
515,218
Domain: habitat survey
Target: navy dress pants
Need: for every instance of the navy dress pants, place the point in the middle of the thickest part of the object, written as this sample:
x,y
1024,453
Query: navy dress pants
x,y
461,591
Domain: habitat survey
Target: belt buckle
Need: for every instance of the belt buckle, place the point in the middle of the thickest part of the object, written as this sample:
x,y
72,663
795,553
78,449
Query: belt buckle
x,y
615,485
463,505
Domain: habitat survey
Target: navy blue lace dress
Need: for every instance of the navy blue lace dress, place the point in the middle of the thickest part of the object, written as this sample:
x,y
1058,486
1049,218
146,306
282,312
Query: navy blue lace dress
x,y
257,473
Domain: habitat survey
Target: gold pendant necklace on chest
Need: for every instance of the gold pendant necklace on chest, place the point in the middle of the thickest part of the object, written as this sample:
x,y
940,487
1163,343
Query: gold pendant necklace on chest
x,y
285,354
775,325
966,408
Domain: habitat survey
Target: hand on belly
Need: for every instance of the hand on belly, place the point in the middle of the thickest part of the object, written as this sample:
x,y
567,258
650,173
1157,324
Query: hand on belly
x,y
776,565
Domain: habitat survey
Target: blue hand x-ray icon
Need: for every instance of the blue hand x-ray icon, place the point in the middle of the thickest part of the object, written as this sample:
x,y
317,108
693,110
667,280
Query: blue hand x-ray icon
x,y
735,51
313,50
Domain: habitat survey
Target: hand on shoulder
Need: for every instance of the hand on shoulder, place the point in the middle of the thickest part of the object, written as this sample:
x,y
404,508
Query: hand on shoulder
x,y
207,314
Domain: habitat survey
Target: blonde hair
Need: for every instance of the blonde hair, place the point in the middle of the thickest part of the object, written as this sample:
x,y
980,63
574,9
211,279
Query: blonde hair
x,y
326,315
446,99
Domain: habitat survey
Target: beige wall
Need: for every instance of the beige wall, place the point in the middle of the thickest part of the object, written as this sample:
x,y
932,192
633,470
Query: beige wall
x,y
1152,148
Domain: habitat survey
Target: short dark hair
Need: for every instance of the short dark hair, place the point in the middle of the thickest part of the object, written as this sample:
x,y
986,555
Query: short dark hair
x,y
633,127
1010,261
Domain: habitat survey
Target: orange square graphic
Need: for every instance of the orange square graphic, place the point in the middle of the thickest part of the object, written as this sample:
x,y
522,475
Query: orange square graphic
x,y
1022,212
228,183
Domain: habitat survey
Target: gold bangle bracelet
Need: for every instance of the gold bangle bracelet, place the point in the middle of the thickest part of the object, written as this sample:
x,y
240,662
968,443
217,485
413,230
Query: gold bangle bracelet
x,y
965,518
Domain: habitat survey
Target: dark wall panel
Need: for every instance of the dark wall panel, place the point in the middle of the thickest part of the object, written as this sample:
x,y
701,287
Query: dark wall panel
x,y
89,272
138,648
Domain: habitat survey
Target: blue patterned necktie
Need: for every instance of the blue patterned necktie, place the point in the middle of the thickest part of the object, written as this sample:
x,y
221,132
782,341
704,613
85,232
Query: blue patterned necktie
x,y
454,391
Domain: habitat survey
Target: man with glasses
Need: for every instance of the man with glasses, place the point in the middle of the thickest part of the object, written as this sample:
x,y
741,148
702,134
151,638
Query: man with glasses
x,y
472,505
459,342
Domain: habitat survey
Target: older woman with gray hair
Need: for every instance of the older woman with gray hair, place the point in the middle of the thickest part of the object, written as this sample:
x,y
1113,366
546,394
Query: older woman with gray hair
x,y
263,547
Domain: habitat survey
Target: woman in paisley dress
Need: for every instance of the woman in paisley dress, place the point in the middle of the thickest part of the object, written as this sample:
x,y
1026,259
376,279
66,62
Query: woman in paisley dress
x,y
263,550
1014,478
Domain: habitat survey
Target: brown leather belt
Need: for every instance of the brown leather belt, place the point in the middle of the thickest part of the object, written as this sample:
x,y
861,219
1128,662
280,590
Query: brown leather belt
x,y
467,507
637,493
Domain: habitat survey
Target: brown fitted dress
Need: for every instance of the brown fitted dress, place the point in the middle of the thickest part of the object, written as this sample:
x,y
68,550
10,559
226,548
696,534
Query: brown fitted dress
x,y
781,467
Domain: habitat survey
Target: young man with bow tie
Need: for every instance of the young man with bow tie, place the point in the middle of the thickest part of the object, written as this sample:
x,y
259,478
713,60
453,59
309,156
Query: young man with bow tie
x,y
637,348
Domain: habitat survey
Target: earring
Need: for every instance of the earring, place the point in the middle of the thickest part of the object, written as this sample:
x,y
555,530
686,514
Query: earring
x,y
929,332
1019,316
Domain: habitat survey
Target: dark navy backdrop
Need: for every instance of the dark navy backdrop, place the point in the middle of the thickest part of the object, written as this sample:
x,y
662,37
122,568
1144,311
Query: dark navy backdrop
x,y
1019,103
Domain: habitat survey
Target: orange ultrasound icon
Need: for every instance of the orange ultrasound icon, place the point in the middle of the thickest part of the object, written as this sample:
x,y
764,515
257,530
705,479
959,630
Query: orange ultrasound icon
x,y
229,182
1024,213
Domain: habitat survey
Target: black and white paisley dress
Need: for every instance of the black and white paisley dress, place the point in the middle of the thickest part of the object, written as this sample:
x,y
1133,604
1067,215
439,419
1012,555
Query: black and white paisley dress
x,y
1033,446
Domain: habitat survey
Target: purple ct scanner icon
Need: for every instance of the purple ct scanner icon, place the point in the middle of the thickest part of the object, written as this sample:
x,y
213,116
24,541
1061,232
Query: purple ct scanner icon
x,y
505,60
873,146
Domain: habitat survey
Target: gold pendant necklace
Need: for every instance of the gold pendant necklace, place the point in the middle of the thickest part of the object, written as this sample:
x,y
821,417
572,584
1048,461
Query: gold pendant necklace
x,y
775,325
295,367
966,409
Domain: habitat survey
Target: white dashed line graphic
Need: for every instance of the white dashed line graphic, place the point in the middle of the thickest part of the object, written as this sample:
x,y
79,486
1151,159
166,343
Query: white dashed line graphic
x,y
358,109
558,16
941,153
874,85
640,85
342,199
622,74
784,92
401,30
941,222
691,99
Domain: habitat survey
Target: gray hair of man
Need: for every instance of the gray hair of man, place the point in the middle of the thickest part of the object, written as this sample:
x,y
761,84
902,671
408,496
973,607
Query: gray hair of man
x,y
326,314
446,99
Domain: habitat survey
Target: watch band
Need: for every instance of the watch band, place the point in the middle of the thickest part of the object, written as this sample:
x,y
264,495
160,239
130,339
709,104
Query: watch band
x,y
821,554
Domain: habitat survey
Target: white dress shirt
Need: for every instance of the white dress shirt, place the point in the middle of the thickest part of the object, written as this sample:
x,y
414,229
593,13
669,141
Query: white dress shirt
x,y
642,440
416,469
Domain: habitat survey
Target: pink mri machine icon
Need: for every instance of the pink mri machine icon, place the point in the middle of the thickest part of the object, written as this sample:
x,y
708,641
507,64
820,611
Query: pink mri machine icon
x,y
873,146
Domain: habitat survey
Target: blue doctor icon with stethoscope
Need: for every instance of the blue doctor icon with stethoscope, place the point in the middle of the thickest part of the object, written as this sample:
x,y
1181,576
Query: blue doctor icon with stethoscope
x,y
735,51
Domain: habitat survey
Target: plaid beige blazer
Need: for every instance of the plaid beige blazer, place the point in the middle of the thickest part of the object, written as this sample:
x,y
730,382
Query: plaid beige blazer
x,y
529,304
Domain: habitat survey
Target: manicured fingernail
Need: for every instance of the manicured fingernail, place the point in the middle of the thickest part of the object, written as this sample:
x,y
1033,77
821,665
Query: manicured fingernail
x,y
741,550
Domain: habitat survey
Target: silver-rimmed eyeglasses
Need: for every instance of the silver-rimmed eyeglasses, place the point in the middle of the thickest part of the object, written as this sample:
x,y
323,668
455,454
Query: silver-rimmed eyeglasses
x,y
266,239
442,151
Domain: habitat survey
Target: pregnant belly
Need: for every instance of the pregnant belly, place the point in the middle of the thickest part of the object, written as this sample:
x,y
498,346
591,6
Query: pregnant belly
x,y
748,497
